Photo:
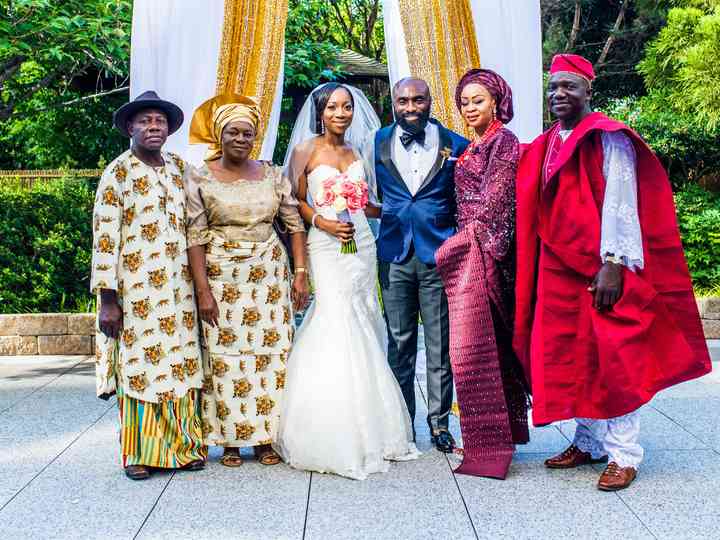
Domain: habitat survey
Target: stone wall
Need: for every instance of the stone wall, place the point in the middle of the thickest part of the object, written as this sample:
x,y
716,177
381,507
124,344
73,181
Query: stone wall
x,y
710,313
74,333
47,334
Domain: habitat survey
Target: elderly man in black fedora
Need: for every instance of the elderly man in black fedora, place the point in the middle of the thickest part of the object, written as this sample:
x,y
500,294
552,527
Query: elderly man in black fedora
x,y
147,342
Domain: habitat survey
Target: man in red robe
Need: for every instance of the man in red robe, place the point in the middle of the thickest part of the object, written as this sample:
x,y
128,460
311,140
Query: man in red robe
x,y
605,312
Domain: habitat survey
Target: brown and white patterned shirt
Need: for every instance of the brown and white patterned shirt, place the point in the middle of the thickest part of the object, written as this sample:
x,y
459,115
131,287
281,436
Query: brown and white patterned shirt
x,y
139,250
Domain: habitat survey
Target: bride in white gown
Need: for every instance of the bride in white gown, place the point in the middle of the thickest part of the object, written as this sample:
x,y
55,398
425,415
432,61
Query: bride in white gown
x,y
343,411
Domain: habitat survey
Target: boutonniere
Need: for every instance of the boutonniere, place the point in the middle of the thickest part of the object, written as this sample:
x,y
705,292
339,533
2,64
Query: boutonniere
x,y
445,153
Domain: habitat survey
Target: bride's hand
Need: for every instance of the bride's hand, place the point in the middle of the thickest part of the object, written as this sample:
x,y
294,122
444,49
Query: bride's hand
x,y
339,229
300,292
209,311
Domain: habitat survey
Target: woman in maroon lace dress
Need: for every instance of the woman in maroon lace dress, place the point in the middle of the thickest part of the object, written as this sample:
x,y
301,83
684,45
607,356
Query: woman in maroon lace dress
x,y
478,268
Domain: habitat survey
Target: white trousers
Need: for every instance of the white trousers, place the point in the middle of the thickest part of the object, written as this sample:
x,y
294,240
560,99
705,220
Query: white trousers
x,y
616,438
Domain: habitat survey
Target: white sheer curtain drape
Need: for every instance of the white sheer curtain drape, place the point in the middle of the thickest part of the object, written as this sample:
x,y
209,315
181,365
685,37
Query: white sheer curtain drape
x,y
509,41
174,50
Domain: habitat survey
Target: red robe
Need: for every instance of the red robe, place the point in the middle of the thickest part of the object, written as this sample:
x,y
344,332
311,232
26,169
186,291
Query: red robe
x,y
583,362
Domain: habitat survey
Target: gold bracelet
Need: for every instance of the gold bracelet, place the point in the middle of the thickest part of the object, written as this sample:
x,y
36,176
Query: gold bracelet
x,y
300,269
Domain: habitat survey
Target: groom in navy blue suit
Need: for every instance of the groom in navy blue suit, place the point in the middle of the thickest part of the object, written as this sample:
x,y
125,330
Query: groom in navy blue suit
x,y
414,161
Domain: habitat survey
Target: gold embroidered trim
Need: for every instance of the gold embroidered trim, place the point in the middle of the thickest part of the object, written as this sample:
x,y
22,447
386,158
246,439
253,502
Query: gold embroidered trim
x,y
251,52
441,47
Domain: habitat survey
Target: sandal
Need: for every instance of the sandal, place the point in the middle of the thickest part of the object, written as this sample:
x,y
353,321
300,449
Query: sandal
x,y
231,459
266,455
137,472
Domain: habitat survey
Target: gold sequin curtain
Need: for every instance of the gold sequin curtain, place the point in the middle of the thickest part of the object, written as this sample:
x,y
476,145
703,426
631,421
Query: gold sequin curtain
x,y
251,53
441,47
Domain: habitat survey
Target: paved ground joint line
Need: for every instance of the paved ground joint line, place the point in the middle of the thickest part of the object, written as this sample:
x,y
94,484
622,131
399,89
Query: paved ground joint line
x,y
619,496
685,430
452,473
42,386
152,509
18,492
307,506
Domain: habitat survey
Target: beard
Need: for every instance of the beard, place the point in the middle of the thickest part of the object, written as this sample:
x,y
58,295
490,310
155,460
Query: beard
x,y
414,126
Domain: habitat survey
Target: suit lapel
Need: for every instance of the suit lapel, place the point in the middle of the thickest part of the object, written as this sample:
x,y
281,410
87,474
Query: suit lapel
x,y
386,157
444,142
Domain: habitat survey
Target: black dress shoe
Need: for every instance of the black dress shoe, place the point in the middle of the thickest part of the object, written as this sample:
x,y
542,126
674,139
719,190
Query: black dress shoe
x,y
443,441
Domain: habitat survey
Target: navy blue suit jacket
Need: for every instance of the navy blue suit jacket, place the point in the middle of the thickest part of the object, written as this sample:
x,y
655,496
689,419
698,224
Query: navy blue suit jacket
x,y
422,221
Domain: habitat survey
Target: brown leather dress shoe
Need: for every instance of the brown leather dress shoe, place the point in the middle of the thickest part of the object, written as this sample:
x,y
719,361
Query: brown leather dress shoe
x,y
572,457
137,472
615,477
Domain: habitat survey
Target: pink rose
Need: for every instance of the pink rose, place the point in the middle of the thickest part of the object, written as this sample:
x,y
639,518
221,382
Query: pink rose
x,y
348,188
326,198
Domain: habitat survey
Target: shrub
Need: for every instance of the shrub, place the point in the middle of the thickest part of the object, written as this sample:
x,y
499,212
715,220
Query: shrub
x,y
699,220
45,246
689,151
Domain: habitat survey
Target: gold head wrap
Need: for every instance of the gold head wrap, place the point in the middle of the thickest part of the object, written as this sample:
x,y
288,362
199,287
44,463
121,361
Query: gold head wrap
x,y
211,117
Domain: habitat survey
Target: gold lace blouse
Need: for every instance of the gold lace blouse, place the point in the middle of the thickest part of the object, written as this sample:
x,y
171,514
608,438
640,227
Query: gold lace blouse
x,y
242,210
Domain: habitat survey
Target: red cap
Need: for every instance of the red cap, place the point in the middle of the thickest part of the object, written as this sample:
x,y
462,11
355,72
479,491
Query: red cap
x,y
572,63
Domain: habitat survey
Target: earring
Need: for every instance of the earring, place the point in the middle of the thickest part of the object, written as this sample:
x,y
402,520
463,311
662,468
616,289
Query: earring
x,y
322,127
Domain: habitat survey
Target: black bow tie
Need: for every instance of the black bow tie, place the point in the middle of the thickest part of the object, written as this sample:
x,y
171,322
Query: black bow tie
x,y
407,138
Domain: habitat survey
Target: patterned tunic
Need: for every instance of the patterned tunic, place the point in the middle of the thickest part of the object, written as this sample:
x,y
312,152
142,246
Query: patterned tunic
x,y
248,274
139,250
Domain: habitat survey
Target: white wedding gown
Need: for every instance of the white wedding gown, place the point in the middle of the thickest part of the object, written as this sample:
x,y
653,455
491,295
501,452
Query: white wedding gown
x,y
343,411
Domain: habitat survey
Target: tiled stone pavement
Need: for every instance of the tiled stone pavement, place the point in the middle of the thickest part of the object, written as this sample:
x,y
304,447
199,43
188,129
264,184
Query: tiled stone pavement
x,y
60,478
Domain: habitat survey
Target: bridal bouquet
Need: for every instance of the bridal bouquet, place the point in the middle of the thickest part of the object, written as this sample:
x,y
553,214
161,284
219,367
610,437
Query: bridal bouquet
x,y
346,196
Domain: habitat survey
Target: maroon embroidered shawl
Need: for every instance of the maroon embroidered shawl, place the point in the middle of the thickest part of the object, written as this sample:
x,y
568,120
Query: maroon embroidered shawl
x,y
477,267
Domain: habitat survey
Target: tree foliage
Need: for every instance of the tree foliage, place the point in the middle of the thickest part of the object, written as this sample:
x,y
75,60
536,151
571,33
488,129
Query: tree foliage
x,y
45,45
610,33
681,64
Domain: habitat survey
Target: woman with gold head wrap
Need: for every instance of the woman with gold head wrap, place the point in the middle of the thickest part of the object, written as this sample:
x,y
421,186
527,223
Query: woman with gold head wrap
x,y
241,274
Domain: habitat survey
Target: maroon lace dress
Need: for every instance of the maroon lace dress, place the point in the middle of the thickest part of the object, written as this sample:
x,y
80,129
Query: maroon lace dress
x,y
477,266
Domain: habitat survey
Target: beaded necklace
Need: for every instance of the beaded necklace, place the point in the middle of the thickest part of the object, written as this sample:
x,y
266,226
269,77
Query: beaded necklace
x,y
495,126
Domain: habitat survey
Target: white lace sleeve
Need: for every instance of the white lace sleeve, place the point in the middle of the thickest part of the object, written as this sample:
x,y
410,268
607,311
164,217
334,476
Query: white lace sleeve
x,y
620,231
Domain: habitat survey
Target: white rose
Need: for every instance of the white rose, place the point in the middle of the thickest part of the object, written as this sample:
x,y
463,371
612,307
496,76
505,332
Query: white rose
x,y
337,188
320,196
340,204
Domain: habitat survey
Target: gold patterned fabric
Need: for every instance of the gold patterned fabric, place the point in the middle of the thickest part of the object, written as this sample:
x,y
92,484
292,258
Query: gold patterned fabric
x,y
441,47
139,250
245,355
251,52
248,273
242,210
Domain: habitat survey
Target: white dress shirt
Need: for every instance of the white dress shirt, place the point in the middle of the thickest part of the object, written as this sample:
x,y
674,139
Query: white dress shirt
x,y
415,162
620,232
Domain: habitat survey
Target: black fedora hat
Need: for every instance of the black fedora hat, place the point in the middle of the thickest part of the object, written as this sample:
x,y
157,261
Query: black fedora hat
x,y
148,100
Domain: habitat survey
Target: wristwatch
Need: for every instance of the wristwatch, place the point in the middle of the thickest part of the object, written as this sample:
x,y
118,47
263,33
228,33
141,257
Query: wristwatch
x,y
300,269
610,257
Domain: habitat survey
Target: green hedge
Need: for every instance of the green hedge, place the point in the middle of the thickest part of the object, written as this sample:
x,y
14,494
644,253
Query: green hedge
x,y
46,238
690,151
45,245
699,220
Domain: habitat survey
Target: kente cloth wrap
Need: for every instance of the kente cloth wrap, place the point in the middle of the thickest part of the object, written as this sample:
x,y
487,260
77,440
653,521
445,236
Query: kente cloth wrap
x,y
477,268
583,362
497,86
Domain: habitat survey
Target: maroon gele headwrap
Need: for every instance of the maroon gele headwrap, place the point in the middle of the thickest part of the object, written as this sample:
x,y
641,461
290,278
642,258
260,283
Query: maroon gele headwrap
x,y
496,85
573,63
